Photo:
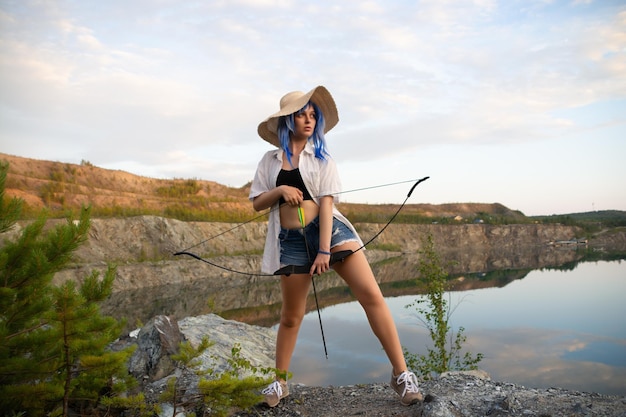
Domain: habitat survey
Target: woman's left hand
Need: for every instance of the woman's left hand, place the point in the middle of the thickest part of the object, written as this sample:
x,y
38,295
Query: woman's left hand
x,y
320,265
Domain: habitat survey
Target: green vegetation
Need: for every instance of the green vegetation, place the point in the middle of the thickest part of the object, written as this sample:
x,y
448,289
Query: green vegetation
x,y
182,212
590,222
434,311
180,189
235,387
192,208
82,335
382,215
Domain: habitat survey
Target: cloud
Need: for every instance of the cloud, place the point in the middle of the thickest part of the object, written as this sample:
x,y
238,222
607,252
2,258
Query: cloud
x,y
130,83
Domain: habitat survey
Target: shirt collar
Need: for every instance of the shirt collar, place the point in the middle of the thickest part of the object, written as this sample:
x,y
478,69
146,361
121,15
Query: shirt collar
x,y
308,148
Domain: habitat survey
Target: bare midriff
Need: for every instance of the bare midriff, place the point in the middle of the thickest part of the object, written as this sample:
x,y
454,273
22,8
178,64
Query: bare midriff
x,y
289,218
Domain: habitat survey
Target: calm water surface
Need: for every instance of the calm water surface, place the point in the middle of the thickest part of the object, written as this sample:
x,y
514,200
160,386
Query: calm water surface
x,y
550,329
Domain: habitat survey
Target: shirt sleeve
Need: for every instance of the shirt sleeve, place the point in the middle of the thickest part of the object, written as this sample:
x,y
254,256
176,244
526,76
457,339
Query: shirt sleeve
x,y
329,181
264,180
261,181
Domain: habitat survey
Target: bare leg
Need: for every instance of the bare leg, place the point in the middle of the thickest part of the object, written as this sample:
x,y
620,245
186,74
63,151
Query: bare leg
x,y
356,272
295,289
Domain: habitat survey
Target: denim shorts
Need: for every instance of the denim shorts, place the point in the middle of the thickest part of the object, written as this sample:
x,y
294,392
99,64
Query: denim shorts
x,y
293,245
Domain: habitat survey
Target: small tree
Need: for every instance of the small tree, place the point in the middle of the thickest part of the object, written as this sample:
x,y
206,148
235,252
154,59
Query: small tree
x,y
187,359
86,369
434,312
237,386
52,339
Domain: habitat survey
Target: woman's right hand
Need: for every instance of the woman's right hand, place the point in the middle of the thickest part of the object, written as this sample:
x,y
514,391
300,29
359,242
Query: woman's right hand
x,y
292,195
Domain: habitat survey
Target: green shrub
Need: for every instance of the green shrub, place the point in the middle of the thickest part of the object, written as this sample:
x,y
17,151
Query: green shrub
x,y
237,387
434,312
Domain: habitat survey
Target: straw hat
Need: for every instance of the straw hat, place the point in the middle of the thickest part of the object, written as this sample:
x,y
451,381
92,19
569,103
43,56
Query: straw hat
x,y
294,101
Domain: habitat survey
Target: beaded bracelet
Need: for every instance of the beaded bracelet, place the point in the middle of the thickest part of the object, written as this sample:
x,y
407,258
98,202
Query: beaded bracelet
x,y
323,252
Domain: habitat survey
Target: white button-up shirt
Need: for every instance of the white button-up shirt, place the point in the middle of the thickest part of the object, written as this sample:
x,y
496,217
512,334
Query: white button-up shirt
x,y
320,178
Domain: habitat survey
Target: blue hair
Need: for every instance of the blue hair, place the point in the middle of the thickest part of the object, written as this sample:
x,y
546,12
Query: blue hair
x,y
286,127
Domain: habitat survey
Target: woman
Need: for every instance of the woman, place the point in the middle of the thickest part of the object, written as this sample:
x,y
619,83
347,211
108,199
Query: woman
x,y
299,180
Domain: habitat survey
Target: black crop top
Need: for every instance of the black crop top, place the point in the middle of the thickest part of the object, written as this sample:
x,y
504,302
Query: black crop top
x,y
293,179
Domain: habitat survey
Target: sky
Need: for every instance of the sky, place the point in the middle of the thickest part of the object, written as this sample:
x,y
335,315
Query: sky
x,y
521,103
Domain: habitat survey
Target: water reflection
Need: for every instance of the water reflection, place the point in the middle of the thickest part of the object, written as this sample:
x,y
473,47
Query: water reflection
x,y
256,300
553,328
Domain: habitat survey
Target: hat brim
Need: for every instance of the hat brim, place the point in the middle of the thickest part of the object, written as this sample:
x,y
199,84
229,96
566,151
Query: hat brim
x,y
268,129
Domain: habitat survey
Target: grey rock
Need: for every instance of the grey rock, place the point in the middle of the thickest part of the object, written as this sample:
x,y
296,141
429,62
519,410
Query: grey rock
x,y
156,341
256,343
151,363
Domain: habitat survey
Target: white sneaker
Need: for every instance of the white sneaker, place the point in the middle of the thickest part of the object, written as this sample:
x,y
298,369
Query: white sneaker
x,y
407,387
275,392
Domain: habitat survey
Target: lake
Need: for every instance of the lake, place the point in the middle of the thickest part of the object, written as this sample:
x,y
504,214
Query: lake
x,y
553,328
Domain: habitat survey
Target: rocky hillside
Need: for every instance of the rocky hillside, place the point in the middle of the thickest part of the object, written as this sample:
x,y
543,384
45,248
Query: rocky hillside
x,y
59,186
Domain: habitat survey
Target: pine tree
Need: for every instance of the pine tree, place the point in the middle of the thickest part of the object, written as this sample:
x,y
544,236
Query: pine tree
x,y
52,339
86,369
27,266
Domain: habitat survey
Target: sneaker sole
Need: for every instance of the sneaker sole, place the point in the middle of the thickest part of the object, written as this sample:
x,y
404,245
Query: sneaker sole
x,y
277,402
415,401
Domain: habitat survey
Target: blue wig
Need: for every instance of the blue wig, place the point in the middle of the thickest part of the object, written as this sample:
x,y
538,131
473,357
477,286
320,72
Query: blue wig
x,y
286,127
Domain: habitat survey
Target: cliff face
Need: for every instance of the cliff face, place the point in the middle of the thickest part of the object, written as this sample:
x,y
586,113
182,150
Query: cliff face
x,y
147,243
143,248
148,238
